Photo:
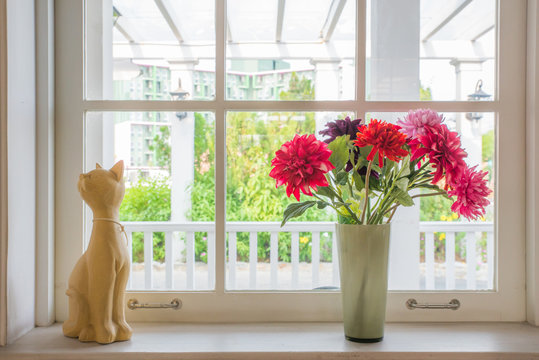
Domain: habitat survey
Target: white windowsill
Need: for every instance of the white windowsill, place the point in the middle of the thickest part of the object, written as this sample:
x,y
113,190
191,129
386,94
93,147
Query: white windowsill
x,y
288,341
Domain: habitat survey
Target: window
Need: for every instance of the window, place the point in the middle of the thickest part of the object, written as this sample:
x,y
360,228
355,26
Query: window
x,y
220,248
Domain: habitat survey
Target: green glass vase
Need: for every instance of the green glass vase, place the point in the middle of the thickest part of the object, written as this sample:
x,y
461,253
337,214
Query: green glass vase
x,y
363,261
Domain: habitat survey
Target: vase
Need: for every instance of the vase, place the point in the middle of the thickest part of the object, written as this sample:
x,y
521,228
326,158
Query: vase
x,y
363,260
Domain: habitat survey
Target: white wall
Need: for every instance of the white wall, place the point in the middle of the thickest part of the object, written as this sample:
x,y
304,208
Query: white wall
x,y
21,162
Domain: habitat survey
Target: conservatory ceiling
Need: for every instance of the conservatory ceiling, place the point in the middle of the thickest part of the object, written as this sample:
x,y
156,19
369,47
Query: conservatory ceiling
x,y
266,28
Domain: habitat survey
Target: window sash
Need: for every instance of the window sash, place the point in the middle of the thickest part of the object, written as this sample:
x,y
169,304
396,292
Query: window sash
x,y
504,304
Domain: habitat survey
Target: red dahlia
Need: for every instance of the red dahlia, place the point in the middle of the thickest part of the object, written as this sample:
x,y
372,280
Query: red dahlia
x,y
385,138
301,164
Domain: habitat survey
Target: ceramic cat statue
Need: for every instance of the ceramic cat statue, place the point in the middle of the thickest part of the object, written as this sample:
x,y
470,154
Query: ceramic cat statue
x,y
97,283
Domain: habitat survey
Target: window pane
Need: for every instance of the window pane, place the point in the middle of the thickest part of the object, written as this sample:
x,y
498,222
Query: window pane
x,y
169,180
431,248
430,50
150,50
304,51
260,254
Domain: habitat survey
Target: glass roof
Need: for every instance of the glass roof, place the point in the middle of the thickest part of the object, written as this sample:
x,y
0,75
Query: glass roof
x,y
459,27
303,19
252,20
145,21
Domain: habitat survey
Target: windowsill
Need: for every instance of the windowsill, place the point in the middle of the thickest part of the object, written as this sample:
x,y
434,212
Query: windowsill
x,y
287,340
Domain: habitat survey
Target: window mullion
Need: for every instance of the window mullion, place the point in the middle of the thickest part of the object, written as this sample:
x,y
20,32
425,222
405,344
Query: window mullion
x,y
220,145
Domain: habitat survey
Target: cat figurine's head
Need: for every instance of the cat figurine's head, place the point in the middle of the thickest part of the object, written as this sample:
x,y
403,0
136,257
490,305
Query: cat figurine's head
x,y
102,188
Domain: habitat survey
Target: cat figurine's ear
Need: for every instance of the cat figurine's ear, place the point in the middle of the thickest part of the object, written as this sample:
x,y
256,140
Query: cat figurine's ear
x,y
97,166
118,170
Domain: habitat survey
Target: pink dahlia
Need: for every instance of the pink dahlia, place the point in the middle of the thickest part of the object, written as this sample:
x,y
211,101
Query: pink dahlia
x,y
471,191
417,121
301,164
444,153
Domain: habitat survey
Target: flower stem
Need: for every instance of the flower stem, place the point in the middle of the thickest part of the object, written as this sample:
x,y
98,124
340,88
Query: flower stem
x,y
385,201
393,213
366,192
394,207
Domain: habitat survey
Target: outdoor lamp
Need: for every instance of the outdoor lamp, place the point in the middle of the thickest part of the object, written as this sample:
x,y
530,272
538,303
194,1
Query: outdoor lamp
x,y
477,95
180,94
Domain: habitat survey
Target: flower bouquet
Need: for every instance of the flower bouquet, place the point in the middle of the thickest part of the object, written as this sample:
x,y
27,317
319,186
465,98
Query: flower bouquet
x,y
365,172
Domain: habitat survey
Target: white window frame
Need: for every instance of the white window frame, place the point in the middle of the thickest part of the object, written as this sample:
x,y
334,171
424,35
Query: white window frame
x,y
506,303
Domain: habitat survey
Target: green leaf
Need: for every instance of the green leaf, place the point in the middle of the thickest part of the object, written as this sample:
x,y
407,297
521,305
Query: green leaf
x,y
402,184
405,166
388,165
340,153
341,178
321,204
429,186
402,197
345,219
326,191
296,209
358,181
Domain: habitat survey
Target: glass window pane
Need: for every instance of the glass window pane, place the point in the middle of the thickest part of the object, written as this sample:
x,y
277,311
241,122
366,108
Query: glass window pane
x,y
260,254
304,52
150,50
432,248
431,50
169,181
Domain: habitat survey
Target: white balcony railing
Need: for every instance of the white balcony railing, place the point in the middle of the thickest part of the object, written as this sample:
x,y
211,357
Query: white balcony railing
x,y
179,256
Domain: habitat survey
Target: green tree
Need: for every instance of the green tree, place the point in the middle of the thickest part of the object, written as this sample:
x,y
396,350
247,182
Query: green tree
x,y
161,147
298,89
425,94
147,200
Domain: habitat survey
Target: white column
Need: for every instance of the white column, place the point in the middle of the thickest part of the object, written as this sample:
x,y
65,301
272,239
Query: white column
x,y
327,86
182,135
394,63
394,75
182,153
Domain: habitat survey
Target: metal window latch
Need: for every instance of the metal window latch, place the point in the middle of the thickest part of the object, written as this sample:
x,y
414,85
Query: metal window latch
x,y
175,304
412,304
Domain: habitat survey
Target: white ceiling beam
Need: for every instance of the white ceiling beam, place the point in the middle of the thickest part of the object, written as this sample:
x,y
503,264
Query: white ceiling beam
x,y
334,13
122,31
328,51
280,18
476,37
435,49
164,8
447,20
228,31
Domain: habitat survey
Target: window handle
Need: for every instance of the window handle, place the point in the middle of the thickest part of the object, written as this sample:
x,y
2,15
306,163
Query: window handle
x,y
175,304
412,304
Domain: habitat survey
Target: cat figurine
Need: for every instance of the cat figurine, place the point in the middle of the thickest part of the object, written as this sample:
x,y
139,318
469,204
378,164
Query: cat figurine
x,y
97,283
